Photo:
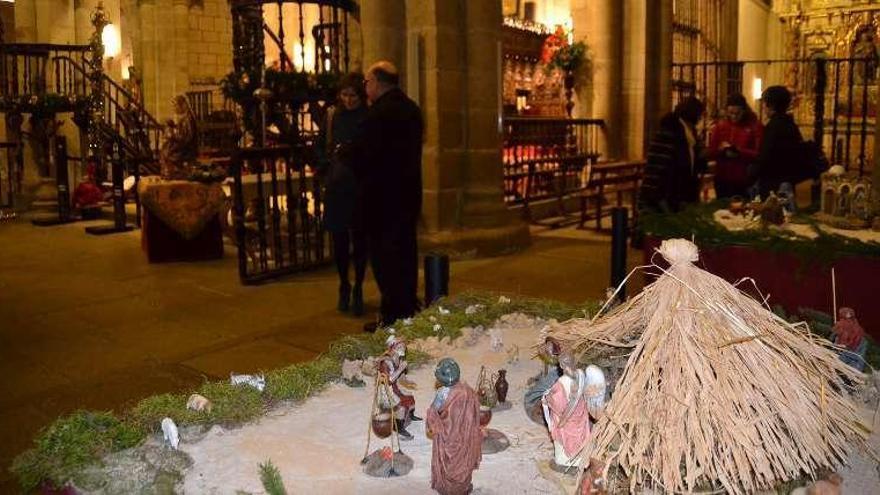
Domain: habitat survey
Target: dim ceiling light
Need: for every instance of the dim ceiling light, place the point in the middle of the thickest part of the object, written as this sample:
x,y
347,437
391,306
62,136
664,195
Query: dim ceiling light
x,y
111,41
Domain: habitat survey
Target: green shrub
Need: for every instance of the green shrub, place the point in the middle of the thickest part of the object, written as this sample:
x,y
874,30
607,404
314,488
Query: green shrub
x,y
271,479
299,381
71,443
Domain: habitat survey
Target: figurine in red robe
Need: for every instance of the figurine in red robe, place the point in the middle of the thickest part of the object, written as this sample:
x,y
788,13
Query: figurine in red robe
x,y
848,333
454,424
567,413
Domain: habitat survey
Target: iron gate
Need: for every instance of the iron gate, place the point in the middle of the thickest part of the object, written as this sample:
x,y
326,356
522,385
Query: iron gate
x,y
834,99
277,213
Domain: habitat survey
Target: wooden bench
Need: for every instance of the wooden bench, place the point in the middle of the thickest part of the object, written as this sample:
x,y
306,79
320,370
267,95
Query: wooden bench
x,y
606,187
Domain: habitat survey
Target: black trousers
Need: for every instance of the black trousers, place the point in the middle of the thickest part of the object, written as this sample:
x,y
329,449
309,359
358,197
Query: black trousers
x,y
350,246
395,261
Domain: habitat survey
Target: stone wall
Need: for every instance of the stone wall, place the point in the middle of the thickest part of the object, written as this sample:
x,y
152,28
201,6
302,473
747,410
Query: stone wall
x,y
210,42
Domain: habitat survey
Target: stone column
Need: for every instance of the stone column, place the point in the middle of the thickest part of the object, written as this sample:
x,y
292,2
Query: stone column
x,y
463,209
149,50
599,23
82,15
658,63
130,27
483,173
633,83
383,24
54,21
181,47
25,22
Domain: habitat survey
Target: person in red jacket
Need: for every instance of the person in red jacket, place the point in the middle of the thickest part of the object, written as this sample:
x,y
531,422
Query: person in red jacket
x,y
734,145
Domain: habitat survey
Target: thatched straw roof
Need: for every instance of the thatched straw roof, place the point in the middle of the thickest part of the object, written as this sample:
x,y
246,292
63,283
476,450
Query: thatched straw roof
x,y
718,391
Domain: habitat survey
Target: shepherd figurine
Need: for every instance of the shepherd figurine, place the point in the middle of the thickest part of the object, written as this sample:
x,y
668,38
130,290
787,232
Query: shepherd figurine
x,y
393,365
454,425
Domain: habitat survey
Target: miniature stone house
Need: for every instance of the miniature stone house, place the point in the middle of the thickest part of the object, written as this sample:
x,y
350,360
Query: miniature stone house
x,y
846,199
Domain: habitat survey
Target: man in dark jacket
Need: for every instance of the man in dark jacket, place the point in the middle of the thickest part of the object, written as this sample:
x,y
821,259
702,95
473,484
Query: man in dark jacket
x,y
675,161
391,177
782,146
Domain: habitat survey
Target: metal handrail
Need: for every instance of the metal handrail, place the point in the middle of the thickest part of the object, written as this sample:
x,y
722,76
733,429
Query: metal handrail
x,y
151,121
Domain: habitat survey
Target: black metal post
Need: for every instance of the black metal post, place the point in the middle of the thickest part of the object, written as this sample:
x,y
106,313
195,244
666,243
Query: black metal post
x,y
819,123
62,184
116,172
436,277
819,120
238,219
618,249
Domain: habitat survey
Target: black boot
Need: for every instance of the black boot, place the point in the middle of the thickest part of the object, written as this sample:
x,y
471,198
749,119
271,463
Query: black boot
x,y
401,431
357,300
344,297
413,417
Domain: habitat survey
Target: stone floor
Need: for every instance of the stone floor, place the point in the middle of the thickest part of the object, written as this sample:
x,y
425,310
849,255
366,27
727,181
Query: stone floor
x,y
86,322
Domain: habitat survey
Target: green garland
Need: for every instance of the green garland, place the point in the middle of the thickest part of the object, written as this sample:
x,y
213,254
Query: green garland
x,y
287,87
698,223
43,105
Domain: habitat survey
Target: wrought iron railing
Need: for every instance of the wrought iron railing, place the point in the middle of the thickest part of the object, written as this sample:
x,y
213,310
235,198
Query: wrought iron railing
x,y
218,123
548,157
832,98
277,213
125,118
27,69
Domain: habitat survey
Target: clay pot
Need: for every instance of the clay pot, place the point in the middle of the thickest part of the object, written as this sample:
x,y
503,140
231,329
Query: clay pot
x,y
501,386
485,415
382,425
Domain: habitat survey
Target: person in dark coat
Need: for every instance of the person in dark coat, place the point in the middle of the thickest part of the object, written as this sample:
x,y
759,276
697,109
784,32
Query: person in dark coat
x,y
391,175
675,161
341,216
782,144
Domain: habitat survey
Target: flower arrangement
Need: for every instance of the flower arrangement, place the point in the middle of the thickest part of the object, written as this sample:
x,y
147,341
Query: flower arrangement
x,y
559,53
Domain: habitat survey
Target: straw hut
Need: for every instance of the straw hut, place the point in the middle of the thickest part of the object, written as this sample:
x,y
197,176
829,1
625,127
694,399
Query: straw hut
x,y
718,393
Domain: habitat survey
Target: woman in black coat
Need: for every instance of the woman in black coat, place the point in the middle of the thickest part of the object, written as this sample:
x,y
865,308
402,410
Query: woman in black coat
x,y
675,161
781,152
341,216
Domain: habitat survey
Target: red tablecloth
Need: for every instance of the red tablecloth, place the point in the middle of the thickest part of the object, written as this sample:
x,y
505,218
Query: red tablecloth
x,y
788,282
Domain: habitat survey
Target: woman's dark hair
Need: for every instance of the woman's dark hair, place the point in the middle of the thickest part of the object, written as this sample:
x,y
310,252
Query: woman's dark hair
x,y
354,81
738,100
690,110
777,98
